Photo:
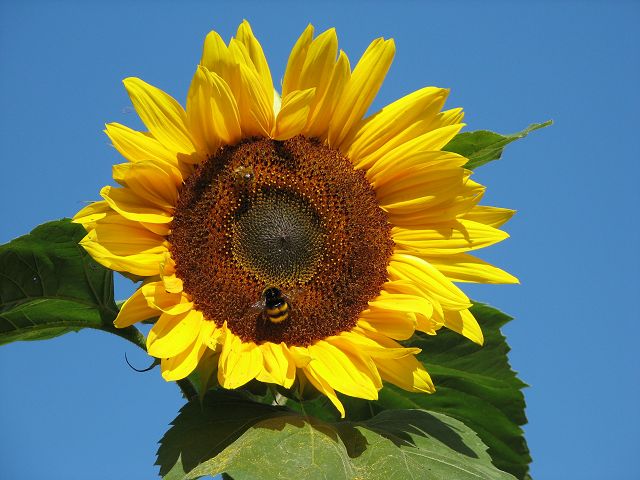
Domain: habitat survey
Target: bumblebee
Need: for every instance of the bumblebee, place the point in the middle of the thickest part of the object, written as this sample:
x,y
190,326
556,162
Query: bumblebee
x,y
243,176
276,307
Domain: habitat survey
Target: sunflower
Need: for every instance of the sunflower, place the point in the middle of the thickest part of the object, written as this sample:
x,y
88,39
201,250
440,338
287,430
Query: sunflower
x,y
291,239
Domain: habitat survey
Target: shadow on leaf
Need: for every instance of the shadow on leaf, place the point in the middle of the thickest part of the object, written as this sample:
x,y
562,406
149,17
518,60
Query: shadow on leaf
x,y
403,426
228,432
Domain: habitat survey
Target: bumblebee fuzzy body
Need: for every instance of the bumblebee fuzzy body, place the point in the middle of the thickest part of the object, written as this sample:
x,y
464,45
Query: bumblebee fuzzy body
x,y
276,308
243,176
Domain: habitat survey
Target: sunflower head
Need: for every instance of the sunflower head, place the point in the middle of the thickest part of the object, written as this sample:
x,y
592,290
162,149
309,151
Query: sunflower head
x,y
292,239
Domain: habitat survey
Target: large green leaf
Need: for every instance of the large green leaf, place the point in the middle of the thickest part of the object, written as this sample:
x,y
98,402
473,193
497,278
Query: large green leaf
x,y
49,285
483,146
474,384
251,440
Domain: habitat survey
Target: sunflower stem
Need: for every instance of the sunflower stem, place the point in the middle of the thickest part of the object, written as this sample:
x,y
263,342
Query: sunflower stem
x,y
132,334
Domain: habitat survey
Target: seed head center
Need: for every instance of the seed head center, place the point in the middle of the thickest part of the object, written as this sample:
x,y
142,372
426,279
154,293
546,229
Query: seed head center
x,y
277,236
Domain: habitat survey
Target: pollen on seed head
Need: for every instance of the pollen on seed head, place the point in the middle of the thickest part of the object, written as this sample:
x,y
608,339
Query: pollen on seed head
x,y
304,221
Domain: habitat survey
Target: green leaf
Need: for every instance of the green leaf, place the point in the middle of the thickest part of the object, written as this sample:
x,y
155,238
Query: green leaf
x,y
477,386
251,440
50,286
483,146
474,384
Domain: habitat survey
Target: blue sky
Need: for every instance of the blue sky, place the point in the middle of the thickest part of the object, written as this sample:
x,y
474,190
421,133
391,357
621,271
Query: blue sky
x,y
71,406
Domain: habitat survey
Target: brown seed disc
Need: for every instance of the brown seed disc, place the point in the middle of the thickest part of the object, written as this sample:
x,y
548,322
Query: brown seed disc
x,y
293,215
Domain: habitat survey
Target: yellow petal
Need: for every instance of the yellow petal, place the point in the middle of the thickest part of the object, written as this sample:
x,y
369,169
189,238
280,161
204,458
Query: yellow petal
x,y
339,371
300,356
225,110
383,171
162,115
159,298
378,345
116,232
172,283
123,245
297,57
173,334
254,105
216,57
394,324
180,366
134,208
92,213
401,302
143,264
293,114
200,118
161,229
448,117
207,371
465,324
408,144
361,89
240,362
462,267
215,339
360,358
435,213
390,123
212,111
492,216
256,55
428,324
420,187
452,204
447,238
413,135
149,181
322,114
277,103
406,373
136,146
279,367
317,70
424,275
417,136
254,101
134,310
168,266
323,387
319,61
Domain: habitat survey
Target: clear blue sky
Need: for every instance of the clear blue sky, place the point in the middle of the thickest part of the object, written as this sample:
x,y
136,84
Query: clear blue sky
x,y
71,408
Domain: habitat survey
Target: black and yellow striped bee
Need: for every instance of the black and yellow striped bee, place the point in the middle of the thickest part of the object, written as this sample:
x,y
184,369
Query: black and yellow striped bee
x,y
276,307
